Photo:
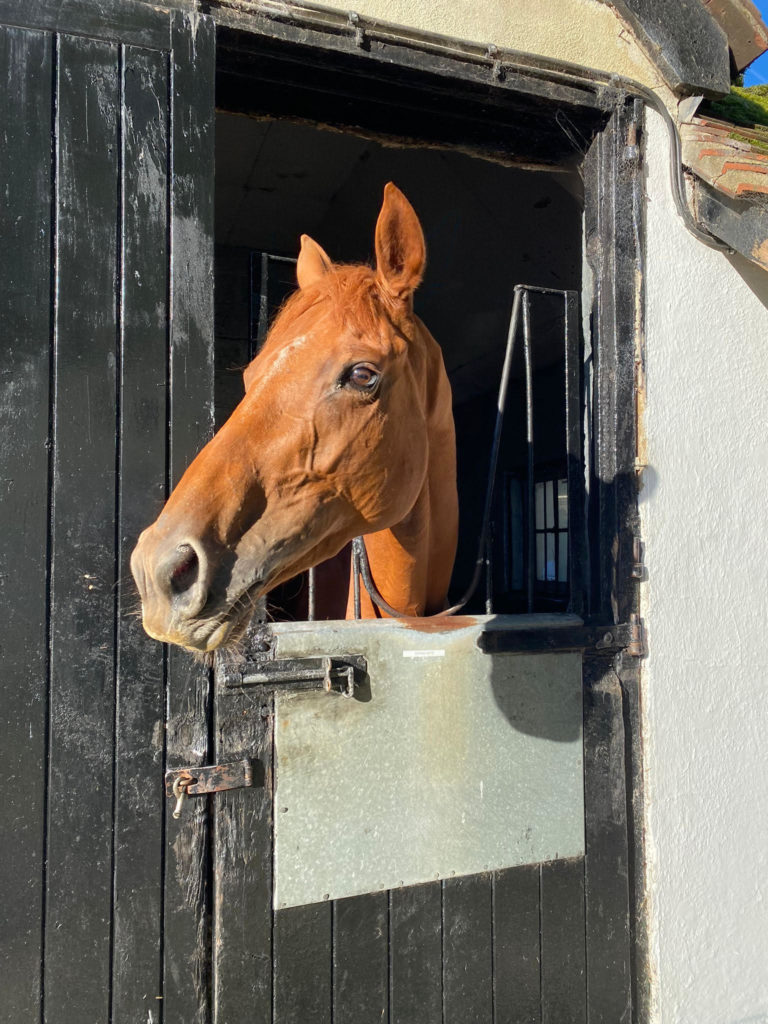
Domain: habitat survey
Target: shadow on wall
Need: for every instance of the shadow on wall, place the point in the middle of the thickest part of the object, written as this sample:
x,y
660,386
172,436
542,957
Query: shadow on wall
x,y
755,278
539,694
649,484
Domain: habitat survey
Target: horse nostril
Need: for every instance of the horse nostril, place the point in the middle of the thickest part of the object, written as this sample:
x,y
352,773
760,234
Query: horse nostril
x,y
186,570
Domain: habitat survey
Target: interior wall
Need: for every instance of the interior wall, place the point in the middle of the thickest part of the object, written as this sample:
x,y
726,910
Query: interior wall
x,y
488,227
705,607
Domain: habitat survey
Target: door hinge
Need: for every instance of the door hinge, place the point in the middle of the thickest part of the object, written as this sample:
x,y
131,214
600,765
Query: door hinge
x,y
199,780
592,639
636,646
627,636
632,153
638,560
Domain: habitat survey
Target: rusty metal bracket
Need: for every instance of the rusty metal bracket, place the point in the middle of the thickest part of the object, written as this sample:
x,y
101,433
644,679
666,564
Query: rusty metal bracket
x,y
212,778
636,648
497,68
638,563
356,25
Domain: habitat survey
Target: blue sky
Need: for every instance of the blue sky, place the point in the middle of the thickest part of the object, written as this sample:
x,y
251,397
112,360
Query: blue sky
x,y
757,73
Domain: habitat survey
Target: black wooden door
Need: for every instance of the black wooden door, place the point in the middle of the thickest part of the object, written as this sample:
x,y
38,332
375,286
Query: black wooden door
x,y
545,943
106,376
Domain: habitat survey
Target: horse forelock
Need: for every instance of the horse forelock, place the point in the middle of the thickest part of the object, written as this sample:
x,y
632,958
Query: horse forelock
x,y
346,295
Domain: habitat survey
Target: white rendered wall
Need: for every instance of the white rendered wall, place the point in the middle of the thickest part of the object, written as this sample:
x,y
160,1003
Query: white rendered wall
x,y
705,684
586,32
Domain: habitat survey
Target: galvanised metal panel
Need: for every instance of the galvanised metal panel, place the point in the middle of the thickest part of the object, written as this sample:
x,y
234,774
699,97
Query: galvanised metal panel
x,y
453,762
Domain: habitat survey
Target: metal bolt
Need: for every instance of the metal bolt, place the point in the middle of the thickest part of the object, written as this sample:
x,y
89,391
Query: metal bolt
x,y
180,787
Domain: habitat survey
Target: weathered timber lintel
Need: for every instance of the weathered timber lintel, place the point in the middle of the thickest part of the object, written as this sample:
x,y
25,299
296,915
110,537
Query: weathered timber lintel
x,y
740,224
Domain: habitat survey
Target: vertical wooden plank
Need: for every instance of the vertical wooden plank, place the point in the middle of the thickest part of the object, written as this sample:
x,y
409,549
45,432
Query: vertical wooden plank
x,y
516,963
302,965
186,911
83,565
467,954
361,959
187,982
416,929
563,975
607,853
242,947
613,187
140,713
578,539
26,69
192,333
599,235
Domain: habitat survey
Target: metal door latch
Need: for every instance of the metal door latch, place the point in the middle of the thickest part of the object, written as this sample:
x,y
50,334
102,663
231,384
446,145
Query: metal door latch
x,y
332,674
181,783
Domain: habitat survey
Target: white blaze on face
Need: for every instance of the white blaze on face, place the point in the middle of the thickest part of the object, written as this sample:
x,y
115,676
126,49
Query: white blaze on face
x,y
279,362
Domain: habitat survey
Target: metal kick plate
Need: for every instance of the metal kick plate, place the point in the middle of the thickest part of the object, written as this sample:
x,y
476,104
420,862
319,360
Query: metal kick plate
x,y
452,762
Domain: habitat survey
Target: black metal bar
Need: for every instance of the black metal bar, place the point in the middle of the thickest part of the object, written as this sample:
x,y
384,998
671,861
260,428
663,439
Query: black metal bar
x,y
311,607
253,318
531,535
536,289
597,639
495,445
489,574
263,302
556,530
355,569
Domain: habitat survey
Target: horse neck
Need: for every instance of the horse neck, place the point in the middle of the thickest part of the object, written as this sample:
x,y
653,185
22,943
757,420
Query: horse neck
x,y
411,562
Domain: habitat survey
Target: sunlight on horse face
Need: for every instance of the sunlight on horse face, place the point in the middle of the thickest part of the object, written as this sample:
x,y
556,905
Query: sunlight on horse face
x,y
329,442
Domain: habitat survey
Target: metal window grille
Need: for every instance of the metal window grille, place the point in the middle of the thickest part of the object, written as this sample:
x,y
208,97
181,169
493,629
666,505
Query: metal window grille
x,y
551,522
541,552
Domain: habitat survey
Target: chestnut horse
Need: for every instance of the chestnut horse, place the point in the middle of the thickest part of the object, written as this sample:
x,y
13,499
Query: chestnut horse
x,y
345,429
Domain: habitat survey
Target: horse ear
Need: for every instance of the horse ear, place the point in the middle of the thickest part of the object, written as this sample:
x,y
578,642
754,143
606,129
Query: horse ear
x,y
400,250
312,264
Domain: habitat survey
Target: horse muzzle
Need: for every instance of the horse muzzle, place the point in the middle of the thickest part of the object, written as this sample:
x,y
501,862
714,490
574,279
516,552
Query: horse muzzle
x,y
173,578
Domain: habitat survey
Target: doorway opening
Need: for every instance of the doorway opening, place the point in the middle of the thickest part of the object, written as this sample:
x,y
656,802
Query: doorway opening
x,y
496,214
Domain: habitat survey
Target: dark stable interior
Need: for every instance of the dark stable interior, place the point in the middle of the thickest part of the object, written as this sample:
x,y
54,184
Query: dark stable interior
x,y
488,227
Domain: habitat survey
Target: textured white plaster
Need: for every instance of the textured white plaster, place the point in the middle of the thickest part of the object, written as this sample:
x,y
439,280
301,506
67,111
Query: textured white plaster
x,y
705,683
586,32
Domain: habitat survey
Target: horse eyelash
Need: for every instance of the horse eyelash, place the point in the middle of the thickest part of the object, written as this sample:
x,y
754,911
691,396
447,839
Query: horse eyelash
x,y
344,379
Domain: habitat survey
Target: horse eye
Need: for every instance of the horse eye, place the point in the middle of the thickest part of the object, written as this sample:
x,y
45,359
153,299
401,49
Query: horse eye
x,y
363,377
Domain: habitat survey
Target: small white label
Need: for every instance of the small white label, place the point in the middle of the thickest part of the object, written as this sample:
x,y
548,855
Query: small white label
x,y
423,654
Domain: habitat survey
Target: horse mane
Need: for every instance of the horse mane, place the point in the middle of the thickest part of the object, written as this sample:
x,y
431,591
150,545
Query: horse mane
x,y
352,297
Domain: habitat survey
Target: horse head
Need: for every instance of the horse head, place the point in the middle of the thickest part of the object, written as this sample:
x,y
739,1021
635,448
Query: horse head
x,y
332,440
